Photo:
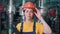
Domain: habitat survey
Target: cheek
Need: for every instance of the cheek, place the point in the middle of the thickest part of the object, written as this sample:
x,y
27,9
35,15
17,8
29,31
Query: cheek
x,y
25,14
32,15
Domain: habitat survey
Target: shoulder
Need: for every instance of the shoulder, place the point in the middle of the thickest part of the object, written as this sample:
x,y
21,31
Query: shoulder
x,y
18,26
40,27
39,24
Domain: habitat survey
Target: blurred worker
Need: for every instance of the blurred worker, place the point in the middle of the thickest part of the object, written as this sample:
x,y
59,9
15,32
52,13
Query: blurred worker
x,y
29,26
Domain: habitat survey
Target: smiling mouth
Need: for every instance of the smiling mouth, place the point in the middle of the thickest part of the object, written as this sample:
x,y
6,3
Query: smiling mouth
x,y
28,16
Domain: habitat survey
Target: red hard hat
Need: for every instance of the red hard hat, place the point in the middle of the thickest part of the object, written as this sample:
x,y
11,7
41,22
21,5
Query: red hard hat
x,y
28,5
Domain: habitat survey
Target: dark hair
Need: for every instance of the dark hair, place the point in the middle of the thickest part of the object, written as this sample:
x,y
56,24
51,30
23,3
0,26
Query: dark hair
x,y
23,10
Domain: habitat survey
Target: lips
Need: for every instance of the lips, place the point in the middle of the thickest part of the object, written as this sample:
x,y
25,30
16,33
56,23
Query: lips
x,y
29,16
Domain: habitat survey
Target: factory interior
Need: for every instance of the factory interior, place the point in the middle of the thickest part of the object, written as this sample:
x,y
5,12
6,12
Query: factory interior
x,y
48,8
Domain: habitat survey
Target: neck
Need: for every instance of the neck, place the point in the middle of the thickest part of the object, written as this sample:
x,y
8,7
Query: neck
x,y
28,20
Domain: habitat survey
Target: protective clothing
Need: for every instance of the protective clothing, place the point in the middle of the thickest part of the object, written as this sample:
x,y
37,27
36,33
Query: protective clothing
x,y
29,27
34,26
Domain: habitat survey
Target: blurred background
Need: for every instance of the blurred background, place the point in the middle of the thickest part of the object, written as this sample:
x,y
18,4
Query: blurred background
x,y
50,10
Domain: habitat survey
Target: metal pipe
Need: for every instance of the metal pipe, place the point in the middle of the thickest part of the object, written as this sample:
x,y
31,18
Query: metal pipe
x,y
23,2
10,16
42,6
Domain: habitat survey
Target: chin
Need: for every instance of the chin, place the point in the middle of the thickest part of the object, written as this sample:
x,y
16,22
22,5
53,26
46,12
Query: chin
x,y
29,18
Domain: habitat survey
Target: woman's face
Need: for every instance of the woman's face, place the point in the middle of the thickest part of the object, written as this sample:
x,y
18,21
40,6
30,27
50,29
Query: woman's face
x,y
29,13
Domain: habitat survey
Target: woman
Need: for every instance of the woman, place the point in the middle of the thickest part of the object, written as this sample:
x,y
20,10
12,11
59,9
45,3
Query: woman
x,y
29,26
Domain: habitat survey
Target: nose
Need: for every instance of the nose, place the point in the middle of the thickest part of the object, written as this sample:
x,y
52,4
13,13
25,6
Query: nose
x,y
29,13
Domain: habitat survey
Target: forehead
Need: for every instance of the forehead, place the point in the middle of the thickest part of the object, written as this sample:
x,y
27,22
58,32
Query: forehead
x,y
28,9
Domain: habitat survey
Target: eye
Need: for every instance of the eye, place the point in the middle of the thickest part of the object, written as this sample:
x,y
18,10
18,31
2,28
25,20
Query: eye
x,y
26,11
31,11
